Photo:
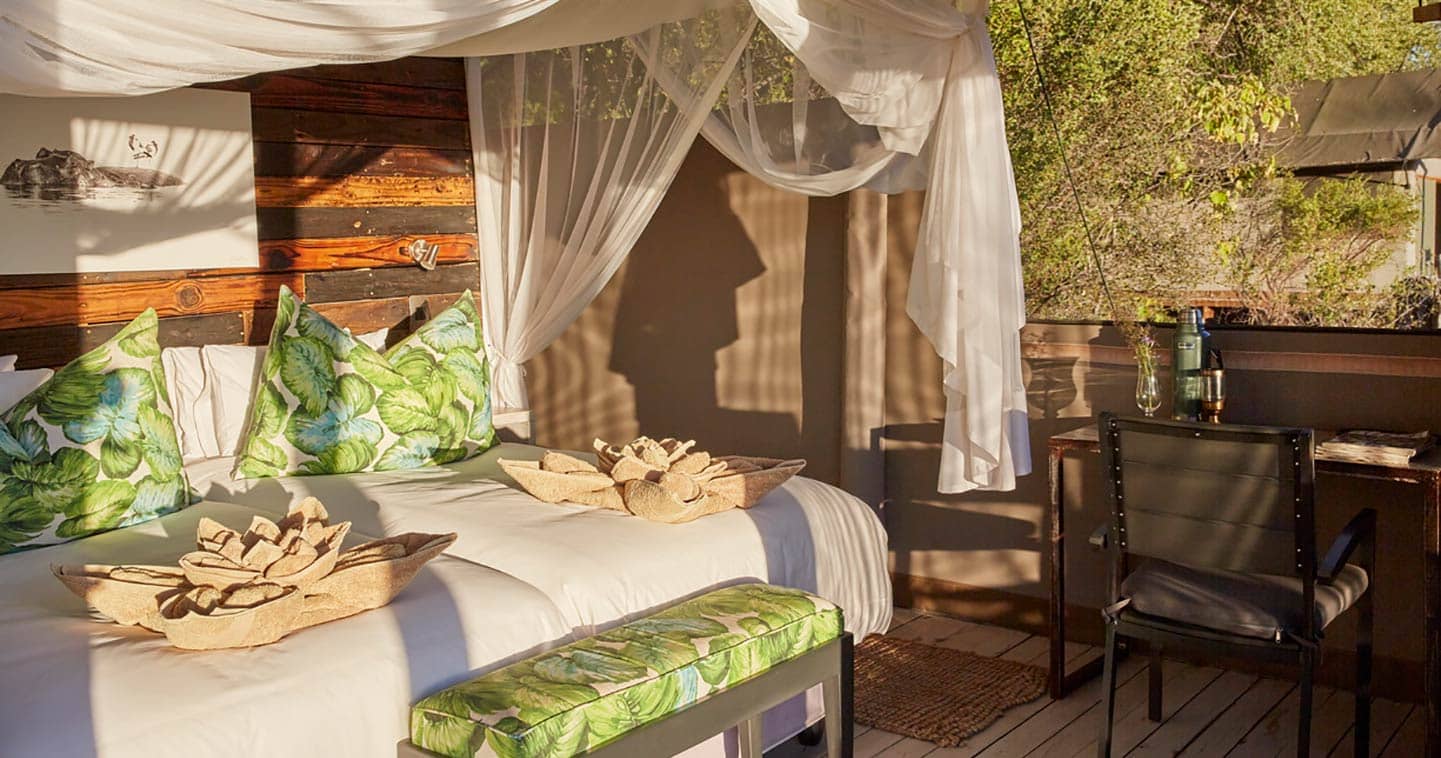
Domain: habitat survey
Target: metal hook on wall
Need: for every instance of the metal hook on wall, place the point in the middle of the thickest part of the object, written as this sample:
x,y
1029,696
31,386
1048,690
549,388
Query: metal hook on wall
x,y
423,253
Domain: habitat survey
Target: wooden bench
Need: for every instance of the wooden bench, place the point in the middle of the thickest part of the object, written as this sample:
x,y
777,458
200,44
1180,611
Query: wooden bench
x,y
654,686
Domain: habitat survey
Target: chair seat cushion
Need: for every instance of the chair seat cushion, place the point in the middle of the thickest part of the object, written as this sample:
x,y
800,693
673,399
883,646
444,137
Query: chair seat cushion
x,y
1249,605
586,694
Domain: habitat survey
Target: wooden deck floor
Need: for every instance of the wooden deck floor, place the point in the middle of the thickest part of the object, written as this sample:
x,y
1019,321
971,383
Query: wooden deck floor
x,y
1208,711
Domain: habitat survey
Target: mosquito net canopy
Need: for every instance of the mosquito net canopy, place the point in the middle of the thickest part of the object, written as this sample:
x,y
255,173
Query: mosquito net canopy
x,y
582,110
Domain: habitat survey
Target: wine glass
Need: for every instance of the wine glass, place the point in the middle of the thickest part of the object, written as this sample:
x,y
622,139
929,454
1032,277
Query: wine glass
x,y
1148,392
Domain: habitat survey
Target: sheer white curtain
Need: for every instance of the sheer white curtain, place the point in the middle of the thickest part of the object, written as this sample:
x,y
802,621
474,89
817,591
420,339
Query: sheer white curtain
x,y
894,95
778,124
574,149
102,47
966,292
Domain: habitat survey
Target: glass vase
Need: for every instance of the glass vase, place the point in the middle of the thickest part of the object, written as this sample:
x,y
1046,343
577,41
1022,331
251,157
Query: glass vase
x,y
1148,388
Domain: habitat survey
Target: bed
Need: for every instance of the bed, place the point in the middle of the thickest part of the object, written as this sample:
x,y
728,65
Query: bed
x,y
523,576
70,686
603,567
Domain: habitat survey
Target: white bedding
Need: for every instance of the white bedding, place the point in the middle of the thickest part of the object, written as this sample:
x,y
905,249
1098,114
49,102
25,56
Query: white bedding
x,y
73,686
601,567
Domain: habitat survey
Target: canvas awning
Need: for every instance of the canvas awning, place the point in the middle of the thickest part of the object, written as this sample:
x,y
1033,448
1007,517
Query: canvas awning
x,y
575,147
1379,121
570,23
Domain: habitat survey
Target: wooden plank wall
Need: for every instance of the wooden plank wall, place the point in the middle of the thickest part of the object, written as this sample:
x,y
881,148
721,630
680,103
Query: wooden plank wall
x,y
352,163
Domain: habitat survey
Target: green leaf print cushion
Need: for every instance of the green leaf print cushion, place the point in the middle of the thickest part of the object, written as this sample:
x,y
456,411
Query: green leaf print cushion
x,y
92,449
327,403
587,694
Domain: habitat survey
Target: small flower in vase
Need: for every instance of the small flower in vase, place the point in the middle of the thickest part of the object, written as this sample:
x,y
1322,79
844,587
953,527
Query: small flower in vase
x,y
1148,384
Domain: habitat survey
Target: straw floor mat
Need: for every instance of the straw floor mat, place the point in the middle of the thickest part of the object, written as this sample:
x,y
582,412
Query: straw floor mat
x,y
936,693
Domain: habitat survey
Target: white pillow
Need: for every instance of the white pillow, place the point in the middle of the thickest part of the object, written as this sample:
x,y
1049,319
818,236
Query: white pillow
x,y
7,362
15,385
232,371
374,340
185,380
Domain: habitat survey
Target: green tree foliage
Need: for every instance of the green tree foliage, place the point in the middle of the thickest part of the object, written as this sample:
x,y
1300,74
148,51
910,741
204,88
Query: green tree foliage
x,y
1171,112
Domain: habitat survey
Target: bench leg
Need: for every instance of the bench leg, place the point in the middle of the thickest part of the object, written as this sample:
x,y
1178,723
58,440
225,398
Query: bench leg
x,y
748,735
831,690
848,695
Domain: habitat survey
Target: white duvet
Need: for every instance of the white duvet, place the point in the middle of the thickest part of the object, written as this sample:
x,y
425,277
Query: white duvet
x,y
523,576
601,567
75,687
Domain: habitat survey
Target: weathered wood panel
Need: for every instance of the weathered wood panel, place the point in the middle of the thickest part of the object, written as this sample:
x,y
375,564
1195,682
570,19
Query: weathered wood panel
x,y
32,281
274,159
353,164
311,254
286,90
118,301
332,286
424,307
320,254
445,73
359,316
295,223
321,127
51,346
362,316
121,300
363,191
401,315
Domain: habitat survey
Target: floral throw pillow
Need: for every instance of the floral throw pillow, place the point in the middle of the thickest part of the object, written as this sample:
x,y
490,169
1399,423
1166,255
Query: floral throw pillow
x,y
93,448
327,403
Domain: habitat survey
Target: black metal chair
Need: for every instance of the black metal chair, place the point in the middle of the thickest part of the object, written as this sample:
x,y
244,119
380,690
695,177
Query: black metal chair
x,y
1224,516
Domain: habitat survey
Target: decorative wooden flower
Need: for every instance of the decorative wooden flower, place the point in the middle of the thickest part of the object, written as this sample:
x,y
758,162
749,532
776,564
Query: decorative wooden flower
x,y
253,588
666,480
296,552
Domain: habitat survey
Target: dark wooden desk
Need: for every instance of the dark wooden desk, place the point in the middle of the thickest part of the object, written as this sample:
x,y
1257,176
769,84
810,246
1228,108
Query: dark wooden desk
x,y
1425,470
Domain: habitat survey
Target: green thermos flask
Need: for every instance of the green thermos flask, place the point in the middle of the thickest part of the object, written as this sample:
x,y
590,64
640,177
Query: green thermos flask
x,y
1187,355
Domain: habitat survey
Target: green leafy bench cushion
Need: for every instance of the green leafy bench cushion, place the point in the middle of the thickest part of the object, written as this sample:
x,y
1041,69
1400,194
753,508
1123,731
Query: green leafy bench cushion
x,y
588,693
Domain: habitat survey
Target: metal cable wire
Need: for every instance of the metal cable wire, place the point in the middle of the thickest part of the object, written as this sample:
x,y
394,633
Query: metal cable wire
x,y
1066,161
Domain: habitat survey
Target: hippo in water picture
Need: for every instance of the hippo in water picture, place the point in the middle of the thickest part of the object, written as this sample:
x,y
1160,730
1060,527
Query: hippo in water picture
x,y
145,183
59,174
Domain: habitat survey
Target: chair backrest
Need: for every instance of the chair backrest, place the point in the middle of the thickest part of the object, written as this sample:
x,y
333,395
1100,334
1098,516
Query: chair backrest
x,y
1219,496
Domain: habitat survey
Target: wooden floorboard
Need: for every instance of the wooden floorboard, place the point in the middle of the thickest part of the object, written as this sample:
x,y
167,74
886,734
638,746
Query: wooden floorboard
x,y
1387,717
1331,722
901,616
1410,739
1276,732
909,747
931,630
1237,720
990,641
1182,684
1058,715
1206,711
1194,716
1035,651
875,742
1131,725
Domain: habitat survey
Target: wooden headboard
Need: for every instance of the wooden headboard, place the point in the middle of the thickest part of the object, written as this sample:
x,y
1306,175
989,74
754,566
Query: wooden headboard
x,y
352,163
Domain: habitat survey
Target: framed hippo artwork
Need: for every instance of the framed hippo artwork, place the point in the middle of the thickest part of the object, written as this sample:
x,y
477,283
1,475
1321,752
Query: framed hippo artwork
x,y
146,183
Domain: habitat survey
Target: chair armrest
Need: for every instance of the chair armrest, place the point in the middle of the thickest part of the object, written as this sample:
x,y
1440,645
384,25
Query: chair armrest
x,y
1361,532
1101,538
